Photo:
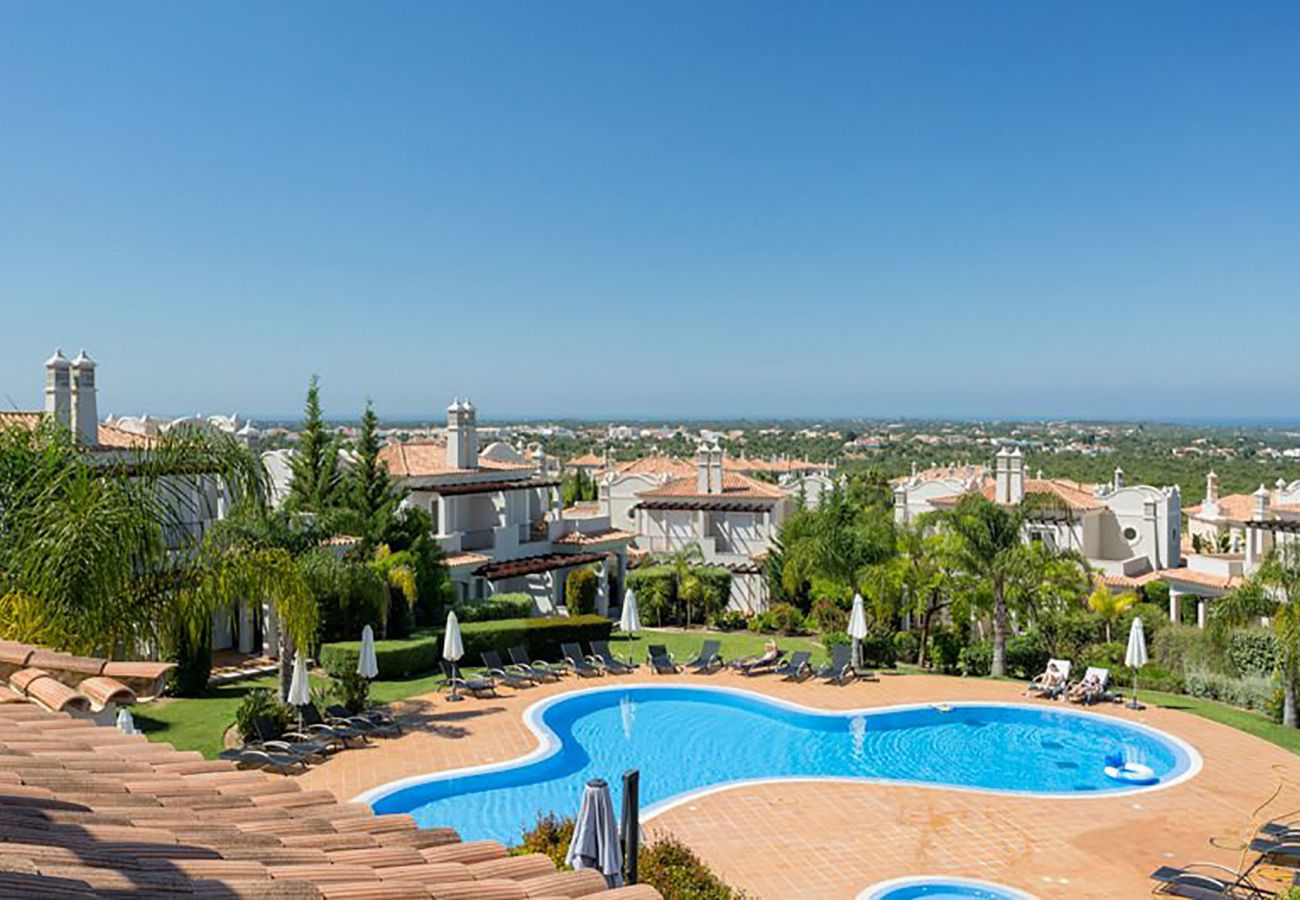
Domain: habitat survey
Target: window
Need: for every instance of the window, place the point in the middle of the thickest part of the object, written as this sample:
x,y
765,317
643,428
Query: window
x,y
1130,533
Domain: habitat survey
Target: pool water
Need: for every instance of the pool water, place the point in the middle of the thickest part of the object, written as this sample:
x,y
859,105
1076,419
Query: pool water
x,y
941,889
685,739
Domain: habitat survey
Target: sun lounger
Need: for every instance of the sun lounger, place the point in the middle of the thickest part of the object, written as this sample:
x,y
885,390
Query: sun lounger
x,y
1204,881
479,687
316,725
796,668
660,660
539,671
271,738
840,669
1053,681
603,657
512,675
1092,688
264,759
757,665
708,658
362,722
577,662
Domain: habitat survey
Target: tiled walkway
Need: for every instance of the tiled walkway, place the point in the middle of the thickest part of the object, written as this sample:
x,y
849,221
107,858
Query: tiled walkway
x,y
833,839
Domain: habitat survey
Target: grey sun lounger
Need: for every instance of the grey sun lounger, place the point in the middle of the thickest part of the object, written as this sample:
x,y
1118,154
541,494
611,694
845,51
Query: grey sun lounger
x,y
708,658
661,661
363,723
479,687
264,759
840,669
512,675
317,725
540,670
1204,881
757,665
271,738
602,656
796,668
578,662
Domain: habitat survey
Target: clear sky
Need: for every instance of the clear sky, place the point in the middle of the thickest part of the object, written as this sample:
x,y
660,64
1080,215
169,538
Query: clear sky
x,y
619,208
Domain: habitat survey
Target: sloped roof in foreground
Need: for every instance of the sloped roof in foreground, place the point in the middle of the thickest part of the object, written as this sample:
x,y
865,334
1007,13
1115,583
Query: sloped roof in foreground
x,y
88,812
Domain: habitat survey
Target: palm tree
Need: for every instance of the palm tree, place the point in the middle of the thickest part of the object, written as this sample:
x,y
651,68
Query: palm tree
x,y
988,546
1271,593
1110,606
689,588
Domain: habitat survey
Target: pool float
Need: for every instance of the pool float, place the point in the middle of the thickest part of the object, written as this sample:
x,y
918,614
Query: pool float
x,y
1129,772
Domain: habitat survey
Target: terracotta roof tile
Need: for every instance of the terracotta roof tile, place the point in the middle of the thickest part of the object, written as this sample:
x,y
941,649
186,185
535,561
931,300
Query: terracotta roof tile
x,y
420,459
580,539
657,465
1233,507
734,486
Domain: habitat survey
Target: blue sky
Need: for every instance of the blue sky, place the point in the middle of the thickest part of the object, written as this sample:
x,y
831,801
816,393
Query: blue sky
x,y
687,209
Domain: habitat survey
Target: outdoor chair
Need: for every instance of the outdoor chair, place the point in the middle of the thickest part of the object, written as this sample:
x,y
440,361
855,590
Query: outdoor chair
x,y
362,722
660,660
271,738
577,662
840,669
1092,688
478,687
317,725
602,656
1205,881
708,658
796,668
540,670
1053,681
264,759
758,665
513,676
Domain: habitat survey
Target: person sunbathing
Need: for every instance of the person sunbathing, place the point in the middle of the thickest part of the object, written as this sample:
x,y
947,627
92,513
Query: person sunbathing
x,y
1087,690
771,653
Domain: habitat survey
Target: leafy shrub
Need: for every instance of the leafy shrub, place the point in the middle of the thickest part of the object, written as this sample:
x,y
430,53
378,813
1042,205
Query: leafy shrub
x,y
976,659
1154,620
1026,655
827,616
781,618
878,652
1186,648
257,703
834,638
1252,652
580,590
945,650
540,636
191,650
669,866
493,609
1065,634
550,836
906,646
656,592
1247,693
351,690
730,620
715,585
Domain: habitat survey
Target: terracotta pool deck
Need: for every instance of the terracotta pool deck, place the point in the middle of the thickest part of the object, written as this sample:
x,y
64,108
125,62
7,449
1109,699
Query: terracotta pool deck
x,y
831,840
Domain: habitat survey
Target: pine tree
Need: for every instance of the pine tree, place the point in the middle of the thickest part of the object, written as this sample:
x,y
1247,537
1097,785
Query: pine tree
x,y
316,478
372,495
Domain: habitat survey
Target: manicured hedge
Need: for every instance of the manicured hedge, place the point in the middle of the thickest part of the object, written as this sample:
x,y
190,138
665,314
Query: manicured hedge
x,y
541,637
502,606
580,590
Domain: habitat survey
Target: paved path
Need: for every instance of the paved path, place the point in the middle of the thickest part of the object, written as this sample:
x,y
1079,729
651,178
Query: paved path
x,y
831,840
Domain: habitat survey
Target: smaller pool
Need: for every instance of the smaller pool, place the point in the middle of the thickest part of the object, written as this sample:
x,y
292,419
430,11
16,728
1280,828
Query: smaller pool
x,y
940,888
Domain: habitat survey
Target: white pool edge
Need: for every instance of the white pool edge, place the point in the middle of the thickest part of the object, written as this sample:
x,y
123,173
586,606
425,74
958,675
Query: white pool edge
x,y
548,743
881,889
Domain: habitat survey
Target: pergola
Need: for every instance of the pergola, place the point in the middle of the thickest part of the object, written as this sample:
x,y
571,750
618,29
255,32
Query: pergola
x,y
486,487
535,565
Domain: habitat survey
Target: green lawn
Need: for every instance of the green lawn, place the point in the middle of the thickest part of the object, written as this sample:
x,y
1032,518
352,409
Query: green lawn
x,y
199,723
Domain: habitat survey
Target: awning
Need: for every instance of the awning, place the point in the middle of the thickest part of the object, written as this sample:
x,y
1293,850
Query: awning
x,y
1289,526
704,505
532,565
487,487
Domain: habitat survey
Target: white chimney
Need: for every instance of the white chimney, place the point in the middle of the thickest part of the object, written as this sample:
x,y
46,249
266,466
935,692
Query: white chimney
x,y
703,470
715,467
1016,476
462,435
1119,479
1002,476
58,389
85,408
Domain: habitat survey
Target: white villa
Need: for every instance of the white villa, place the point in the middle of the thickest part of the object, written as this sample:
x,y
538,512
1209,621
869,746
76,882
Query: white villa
x,y
498,517
1124,531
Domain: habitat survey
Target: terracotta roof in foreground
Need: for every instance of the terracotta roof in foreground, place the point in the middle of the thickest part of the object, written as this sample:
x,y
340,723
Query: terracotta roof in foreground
x,y
110,436
1073,494
1233,507
734,486
418,459
88,812
1205,579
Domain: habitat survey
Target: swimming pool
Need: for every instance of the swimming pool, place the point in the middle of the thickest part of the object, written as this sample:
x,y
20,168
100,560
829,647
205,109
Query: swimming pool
x,y
688,740
941,888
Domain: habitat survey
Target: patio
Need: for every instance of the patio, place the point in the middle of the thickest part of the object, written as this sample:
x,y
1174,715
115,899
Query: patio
x,y
834,839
